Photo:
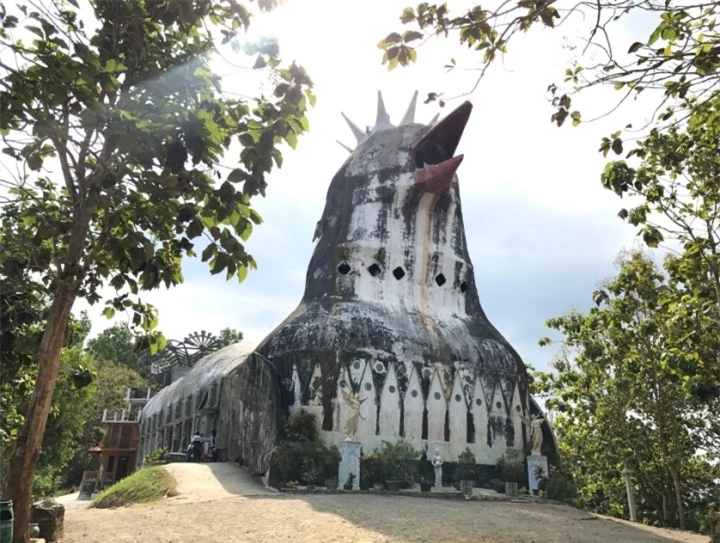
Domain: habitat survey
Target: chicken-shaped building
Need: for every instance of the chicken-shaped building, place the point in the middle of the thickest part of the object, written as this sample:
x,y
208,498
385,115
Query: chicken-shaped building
x,y
390,313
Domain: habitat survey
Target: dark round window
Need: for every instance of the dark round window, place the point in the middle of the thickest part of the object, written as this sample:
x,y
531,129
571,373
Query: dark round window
x,y
440,280
498,405
374,270
343,384
517,408
463,286
317,383
414,393
391,388
379,367
368,386
344,268
478,401
399,273
437,395
457,397
356,365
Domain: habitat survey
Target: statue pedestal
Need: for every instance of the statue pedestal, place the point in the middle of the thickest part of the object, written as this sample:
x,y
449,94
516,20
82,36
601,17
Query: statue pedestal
x,y
534,462
349,464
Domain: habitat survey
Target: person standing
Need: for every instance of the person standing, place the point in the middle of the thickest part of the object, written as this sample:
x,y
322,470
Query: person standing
x,y
213,445
197,442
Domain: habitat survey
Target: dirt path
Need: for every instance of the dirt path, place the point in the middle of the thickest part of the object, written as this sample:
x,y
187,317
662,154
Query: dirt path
x,y
211,482
239,509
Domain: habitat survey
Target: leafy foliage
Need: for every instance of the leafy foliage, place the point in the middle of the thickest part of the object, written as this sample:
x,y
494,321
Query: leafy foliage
x,y
397,460
116,344
66,424
302,426
129,114
466,465
679,60
624,398
230,336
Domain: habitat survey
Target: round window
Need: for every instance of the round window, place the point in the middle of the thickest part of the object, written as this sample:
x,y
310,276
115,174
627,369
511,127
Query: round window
x,y
437,395
478,401
498,405
414,393
368,386
457,397
391,388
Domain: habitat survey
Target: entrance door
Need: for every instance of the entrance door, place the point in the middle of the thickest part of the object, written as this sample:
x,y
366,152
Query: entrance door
x,y
122,468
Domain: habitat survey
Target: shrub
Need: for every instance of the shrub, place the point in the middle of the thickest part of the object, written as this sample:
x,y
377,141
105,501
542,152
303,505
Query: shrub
x,y
302,426
561,487
330,460
426,472
305,461
146,485
466,465
159,455
498,486
310,471
397,460
370,471
512,467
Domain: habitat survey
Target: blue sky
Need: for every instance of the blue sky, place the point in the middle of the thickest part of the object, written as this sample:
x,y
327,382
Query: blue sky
x,y
542,231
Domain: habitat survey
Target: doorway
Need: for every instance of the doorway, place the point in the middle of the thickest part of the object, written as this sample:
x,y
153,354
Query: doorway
x,y
122,468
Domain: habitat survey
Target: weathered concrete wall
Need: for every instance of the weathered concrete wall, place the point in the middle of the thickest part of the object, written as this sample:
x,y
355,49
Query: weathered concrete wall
x,y
250,414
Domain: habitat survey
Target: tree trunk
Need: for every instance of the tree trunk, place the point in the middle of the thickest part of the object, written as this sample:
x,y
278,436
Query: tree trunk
x,y
678,496
27,447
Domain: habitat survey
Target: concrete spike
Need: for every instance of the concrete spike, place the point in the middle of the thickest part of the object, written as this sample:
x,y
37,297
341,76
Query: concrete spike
x,y
346,147
359,134
409,117
382,120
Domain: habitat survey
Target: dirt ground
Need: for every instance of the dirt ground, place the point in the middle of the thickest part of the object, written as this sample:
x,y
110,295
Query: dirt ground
x,y
231,507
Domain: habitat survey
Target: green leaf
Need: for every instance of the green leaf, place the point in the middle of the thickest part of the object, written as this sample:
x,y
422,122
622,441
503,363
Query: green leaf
x,y
109,312
113,66
291,139
242,273
411,35
655,36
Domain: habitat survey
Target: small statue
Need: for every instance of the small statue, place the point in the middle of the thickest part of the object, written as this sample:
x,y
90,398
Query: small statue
x,y
437,463
351,425
536,435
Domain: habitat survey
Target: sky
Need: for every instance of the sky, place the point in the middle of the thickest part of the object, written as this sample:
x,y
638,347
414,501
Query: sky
x,y
542,232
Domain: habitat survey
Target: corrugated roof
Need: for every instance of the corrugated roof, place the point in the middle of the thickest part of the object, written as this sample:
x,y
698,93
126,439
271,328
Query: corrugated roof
x,y
207,371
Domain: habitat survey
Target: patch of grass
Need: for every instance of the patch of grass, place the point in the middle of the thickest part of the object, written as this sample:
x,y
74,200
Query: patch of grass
x,y
147,485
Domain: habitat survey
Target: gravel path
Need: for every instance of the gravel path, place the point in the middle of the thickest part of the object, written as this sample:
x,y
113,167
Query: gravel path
x,y
263,516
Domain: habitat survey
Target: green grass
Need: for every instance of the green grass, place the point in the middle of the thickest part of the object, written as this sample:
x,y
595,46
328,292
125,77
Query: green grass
x,y
147,485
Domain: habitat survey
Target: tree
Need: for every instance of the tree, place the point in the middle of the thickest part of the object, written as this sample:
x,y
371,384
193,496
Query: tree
x,y
228,336
680,58
621,390
129,109
112,379
67,422
116,344
676,189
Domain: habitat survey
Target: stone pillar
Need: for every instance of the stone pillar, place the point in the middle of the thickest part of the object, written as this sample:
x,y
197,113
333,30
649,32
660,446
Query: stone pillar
x,y
533,463
349,464
626,473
